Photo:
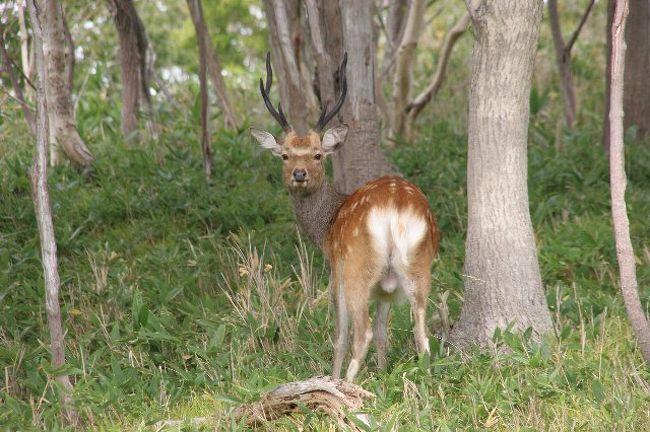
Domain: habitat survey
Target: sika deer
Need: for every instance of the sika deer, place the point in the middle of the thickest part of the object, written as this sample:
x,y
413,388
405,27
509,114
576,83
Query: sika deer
x,y
379,242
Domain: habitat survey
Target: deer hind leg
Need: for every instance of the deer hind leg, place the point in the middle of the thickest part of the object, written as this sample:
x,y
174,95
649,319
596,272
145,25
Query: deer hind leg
x,y
357,291
417,291
381,332
341,336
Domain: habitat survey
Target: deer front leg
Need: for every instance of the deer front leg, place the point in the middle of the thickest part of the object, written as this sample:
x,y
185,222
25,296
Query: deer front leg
x,y
341,335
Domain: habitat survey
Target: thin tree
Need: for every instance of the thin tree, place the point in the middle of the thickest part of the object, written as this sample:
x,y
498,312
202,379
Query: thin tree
x,y
503,284
636,100
196,11
563,56
8,67
213,65
43,211
135,64
618,182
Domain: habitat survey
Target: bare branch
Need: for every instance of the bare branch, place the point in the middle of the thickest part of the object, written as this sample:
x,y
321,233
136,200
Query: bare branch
x,y
8,67
418,103
576,33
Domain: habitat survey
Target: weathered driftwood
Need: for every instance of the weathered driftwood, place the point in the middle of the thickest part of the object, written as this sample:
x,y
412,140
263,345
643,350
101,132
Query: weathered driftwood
x,y
322,394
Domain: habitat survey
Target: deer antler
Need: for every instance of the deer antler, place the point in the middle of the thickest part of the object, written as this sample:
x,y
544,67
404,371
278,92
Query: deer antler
x,y
277,115
325,117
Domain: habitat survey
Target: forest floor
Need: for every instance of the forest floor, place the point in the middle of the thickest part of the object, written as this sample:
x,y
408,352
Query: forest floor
x,y
184,297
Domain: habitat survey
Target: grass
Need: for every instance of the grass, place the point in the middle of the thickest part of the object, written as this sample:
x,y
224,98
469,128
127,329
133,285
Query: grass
x,y
183,298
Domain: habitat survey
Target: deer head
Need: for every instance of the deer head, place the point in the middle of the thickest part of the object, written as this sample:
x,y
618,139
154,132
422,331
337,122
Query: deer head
x,y
303,156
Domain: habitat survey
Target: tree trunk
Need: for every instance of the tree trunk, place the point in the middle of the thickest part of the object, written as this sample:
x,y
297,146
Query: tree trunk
x,y
502,279
43,213
395,23
564,64
18,90
285,39
196,11
63,130
636,99
608,75
133,49
361,159
26,56
618,181
404,66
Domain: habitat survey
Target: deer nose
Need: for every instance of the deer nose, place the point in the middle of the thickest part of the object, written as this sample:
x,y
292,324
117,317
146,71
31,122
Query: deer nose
x,y
299,175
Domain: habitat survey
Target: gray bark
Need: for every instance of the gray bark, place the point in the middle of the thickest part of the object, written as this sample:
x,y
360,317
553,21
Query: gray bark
x,y
43,211
618,182
361,159
502,279
64,137
285,39
636,99
196,11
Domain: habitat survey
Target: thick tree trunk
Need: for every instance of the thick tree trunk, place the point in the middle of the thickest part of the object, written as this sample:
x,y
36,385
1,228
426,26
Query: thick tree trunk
x,y
43,211
502,279
63,134
133,62
618,181
285,38
18,90
196,11
361,159
636,100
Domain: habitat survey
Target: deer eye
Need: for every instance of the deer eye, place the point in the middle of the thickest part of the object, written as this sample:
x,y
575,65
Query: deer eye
x,y
285,156
318,156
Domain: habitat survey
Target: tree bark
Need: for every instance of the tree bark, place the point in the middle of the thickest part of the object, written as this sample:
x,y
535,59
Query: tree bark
x,y
360,159
285,39
133,49
502,279
608,75
196,11
618,182
636,99
43,213
18,90
395,23
416,106
404,66
63,130
26,56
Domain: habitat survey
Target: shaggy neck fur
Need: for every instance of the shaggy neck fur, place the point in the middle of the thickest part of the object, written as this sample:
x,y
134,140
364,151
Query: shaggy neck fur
x,y
316,211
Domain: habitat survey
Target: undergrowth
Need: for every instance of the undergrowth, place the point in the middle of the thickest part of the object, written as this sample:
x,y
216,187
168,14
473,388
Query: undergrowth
x,y
183,297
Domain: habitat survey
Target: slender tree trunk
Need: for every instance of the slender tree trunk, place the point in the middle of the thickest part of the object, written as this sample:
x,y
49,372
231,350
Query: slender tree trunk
x,y
196,11
636,100
18,90
131,61
395,23
63,130
564,64
416,106
213,67
608,73
26,56
361,159
618,181
43,212
502,279
404,65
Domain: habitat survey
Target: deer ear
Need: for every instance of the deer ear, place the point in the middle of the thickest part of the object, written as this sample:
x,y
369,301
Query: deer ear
x,y
266,140
333,138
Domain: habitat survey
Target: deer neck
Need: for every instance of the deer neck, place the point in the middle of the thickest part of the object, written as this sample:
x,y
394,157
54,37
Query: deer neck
x,y
316,212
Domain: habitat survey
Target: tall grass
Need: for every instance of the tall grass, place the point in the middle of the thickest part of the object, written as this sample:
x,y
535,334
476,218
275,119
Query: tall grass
x,y
182,297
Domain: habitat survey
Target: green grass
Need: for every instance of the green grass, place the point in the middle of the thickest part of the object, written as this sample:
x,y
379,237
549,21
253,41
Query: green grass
x,y
183,297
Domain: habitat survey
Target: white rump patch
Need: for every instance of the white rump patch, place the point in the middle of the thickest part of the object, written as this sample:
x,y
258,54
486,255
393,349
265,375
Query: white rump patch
x,y
395,233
